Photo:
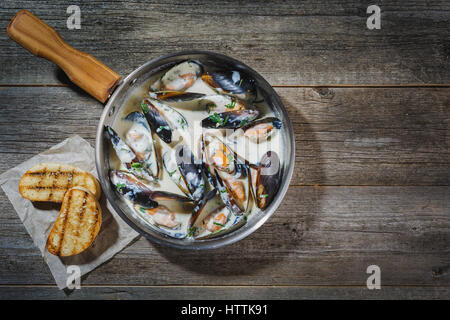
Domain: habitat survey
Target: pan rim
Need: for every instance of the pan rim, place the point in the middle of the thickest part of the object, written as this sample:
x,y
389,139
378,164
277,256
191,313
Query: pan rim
x,y
220,241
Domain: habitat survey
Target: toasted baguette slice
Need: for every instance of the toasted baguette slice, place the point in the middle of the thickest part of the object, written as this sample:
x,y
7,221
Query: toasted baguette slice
x,y
50,181
77,225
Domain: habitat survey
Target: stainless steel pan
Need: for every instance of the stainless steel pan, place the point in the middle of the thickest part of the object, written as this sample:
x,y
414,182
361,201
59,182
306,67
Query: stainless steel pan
x,y
22,29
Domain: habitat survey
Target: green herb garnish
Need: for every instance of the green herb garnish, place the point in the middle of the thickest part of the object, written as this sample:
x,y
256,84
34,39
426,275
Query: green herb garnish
x,y
240,82
231,105
144,107
192,231
137,166
264,196
210,106
219,224
216,118
242,123
142,209
172,173
119,186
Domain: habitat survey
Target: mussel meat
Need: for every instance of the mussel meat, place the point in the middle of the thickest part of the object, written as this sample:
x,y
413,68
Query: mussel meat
x,y
267,179
231,82
179,78
260,130
137,192
230,120
139,138
185,171
165,120
126,155
161,215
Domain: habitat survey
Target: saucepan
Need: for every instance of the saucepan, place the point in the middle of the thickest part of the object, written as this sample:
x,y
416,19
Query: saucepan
x,y
107,86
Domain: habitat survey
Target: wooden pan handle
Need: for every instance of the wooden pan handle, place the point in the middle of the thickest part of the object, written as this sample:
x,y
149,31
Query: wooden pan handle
x,y
84,70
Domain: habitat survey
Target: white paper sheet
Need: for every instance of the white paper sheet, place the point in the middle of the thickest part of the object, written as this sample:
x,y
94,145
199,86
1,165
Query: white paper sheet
x,y
38,218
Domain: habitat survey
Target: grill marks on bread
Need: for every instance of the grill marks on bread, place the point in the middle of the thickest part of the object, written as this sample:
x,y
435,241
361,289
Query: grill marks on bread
x,y
77,225
50,181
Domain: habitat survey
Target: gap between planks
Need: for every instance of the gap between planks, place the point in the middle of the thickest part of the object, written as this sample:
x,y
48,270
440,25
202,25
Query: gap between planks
x,y
220,286
406,85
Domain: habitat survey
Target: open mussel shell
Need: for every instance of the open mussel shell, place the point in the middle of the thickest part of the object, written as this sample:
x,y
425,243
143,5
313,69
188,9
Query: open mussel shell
x,y
127,156
165,121
179,78
139,138
238,187
218,155
226,195
162,220
185,171
230,120
157,121
211,219
198,101
266,179
176,96
262,129
138,193
132,189
231,82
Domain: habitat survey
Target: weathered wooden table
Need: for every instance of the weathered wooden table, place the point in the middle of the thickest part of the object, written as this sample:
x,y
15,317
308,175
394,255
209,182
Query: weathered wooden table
x,y
371,116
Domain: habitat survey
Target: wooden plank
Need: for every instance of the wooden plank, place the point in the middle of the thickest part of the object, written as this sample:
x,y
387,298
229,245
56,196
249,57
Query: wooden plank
x,y
288,43
344,136
325,236
212,293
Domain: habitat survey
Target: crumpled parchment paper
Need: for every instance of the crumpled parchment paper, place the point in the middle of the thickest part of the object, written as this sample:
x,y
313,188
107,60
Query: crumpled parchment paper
x,y
38,218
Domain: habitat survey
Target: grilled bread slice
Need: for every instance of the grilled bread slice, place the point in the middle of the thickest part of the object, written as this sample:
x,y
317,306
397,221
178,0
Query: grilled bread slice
x,y
77,225
50,181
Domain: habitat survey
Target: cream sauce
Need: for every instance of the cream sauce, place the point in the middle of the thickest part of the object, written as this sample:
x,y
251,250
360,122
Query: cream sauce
x,y
190,135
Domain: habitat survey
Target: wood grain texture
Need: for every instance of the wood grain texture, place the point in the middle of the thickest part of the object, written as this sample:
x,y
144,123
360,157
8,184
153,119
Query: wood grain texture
x,y
324,236
288,42
351,136
371,182
223,293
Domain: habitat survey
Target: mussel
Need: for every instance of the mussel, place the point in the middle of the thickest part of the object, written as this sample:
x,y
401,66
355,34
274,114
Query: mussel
x,y
179,78
161,215
137,166
211,219
231,82
162,220
218,155
260,130
266,179
230,120
139,138
137,192
199,102
164,120
185,171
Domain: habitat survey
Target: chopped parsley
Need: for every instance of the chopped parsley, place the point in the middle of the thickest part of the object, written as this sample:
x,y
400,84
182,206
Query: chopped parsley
x,y
231,105
182,123
216,118
137,166
192,231
172,173
219,224
240,82
242,123
162,128
119,186
144,107
264,196
142,209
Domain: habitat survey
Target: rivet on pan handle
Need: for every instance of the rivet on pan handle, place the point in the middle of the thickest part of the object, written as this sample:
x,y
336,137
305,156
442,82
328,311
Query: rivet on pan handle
x,y
43,41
